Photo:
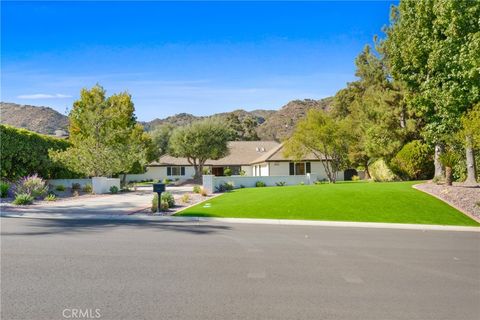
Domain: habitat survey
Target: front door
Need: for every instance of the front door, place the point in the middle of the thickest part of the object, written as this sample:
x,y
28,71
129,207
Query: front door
x,y
217,171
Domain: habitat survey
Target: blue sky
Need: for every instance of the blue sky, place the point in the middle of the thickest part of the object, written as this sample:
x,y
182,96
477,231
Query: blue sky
x,y
195,57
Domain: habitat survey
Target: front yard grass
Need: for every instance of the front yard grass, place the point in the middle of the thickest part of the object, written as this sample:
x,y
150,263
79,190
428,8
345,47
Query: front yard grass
x,y
393,202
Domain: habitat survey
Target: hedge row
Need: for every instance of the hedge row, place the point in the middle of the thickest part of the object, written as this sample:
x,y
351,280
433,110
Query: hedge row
x,y
24,152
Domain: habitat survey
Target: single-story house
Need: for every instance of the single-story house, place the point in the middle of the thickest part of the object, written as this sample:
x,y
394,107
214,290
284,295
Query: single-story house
x,y
249,158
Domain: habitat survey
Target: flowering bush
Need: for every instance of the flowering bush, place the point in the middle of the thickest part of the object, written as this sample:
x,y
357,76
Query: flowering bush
x,y
32,185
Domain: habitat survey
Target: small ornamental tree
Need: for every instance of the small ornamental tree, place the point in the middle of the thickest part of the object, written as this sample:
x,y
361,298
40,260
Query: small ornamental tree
x,y
324,137
199,142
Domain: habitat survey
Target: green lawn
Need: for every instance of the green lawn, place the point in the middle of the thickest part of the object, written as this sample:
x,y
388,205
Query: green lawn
x,y
395,202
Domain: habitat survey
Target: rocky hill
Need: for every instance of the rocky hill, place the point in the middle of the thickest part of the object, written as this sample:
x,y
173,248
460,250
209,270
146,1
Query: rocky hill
x,y
182,119
272,125
39,119
280,125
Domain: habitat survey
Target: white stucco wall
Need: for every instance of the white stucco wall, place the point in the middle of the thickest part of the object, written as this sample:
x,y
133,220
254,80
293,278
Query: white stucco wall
x,y
160,173
264,169
279,168
248,170
102,184
211,182
282,168
67,183
319,170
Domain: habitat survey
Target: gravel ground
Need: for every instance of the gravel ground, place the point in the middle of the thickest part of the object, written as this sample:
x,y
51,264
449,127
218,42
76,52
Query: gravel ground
x,y
180,203
466,198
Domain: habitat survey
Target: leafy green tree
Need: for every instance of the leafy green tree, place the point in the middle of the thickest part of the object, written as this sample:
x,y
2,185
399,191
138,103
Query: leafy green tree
x,y
105,135
160,138
433,48
323,136
242,129
374,108
200,141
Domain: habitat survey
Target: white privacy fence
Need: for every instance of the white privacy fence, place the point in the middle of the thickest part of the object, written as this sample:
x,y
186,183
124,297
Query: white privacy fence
x,y
99,184
210,182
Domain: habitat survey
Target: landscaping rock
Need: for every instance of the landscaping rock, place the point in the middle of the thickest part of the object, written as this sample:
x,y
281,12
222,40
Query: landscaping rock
x,y
467,198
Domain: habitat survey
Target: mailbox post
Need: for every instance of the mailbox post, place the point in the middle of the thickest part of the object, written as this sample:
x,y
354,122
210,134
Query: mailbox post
x,y
159,188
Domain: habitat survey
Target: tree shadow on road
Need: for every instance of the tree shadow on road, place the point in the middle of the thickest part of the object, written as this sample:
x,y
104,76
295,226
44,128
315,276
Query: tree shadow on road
x,y
36,227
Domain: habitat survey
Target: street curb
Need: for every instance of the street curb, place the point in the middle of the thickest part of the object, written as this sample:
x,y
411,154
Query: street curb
x,y
284,222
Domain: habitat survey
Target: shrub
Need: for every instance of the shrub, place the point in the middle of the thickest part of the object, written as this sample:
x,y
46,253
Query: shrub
x,y
23,152
4,189
50,197
23,199
355,178
168,197
87,188
32,185
302,183
226,186
185,198
260,184
60,187
167,181
280,183
203,192
167,201
197,189
242,172
242,186
227,172
113,189
76,186
75,193
413,162
379,171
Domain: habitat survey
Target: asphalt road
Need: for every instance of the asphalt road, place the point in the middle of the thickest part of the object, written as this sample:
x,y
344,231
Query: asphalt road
x,y
152,270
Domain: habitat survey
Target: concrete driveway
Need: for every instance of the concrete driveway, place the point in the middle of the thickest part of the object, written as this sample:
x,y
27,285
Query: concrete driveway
x,y
122,203
157,270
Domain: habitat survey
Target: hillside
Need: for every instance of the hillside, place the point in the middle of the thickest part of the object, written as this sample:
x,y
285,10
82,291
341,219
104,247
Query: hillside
x,y
272,125
280,125
39,119
182,119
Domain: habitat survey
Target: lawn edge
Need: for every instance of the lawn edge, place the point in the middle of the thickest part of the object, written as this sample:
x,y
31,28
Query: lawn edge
x,y
213,196
468,214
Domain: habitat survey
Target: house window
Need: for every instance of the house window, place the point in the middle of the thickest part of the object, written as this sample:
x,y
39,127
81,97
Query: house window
x,y
300,168
175,171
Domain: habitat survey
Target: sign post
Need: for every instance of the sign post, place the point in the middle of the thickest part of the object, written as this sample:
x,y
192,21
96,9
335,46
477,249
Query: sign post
x,y
159,188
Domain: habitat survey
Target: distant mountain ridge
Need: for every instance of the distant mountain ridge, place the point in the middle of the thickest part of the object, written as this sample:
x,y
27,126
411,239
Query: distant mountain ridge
x,y
43,120
271,124
182,119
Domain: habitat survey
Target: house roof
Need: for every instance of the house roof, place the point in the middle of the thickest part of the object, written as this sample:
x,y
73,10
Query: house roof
x,y
277,155
241,153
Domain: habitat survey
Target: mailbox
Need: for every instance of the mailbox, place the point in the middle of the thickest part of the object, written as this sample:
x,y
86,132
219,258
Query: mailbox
x,y
159,187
